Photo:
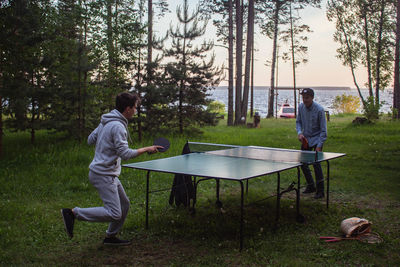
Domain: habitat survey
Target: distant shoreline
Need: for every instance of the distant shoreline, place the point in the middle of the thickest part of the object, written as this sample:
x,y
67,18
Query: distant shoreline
x,y
330,88
324,97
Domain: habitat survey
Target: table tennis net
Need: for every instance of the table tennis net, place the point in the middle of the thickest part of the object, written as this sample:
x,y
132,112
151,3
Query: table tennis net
x,y
208,147
255,152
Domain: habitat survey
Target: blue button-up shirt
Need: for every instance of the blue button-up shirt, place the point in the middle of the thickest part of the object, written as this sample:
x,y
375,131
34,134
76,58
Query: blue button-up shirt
x,y
311,123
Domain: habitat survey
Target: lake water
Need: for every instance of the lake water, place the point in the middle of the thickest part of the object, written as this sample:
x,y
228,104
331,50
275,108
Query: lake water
x,y
324,97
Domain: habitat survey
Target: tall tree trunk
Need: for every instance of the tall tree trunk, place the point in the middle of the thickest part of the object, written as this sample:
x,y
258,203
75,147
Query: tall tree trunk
x,y
110,44
249,47
85,76
79,70
149,38
252,81
33,107
1,112
110,50
1,124
230,65
239,45
181,88
33,122
366,32
116,52
183,81
80,127
379,54
139,88
270,113
276,81
347,40
293,62
396,87
149,60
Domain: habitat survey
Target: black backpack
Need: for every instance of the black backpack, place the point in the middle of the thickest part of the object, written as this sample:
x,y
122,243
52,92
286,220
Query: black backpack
x,y
182,188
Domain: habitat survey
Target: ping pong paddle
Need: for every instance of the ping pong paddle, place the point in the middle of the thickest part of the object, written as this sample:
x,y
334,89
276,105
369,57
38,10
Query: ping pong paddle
x,y
162,142
304,143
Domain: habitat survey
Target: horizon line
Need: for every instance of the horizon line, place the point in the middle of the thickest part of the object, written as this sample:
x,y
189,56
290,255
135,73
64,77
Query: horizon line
x,y
258,87
298,87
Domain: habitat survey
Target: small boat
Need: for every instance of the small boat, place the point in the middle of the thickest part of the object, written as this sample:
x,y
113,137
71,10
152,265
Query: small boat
x,y
286,111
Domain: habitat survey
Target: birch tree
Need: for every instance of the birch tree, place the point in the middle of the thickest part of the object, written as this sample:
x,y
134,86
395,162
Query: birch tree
x,y
239,60
225,37
249,49
396,84
277,13
296,37
364,31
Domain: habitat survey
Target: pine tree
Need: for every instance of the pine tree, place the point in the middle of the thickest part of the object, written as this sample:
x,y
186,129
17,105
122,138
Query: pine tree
x,y
146,81
67,59
22,93
190,74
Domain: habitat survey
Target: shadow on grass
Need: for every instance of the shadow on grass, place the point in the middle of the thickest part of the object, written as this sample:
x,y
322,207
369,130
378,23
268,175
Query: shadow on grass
x,y
210,236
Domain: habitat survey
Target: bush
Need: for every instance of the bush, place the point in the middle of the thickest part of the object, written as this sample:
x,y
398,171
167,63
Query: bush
x,y
216,107
346,103
371,109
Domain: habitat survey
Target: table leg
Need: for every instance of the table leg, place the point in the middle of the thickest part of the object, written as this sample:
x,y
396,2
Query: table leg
x,y
195,191
278,199
241,215
217,189
327,185
299,217
147,199
218,202
298,194
192,210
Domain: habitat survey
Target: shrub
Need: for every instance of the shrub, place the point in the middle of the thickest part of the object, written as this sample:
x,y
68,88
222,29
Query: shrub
x,y
216,107
371,109
346,103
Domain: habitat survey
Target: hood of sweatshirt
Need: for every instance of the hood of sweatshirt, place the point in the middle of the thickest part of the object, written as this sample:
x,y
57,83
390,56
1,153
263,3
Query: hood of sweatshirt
x,y
114,115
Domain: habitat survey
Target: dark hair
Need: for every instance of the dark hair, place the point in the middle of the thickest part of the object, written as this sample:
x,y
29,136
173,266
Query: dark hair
x,y
126,99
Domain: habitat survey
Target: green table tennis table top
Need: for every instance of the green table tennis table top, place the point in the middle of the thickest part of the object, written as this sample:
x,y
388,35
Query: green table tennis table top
x,y
236,163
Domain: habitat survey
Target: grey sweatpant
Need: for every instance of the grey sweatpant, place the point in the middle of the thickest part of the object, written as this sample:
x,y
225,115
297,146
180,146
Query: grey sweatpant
x,y
115,201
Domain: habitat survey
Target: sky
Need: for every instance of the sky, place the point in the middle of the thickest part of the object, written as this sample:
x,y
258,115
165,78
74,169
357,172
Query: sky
x,y
322,69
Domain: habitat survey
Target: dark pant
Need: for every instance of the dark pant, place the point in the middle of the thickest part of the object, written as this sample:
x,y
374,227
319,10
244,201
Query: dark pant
x,y
319,176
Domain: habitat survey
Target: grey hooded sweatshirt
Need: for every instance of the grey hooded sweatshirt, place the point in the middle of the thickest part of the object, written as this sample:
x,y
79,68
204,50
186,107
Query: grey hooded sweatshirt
x,y
111,142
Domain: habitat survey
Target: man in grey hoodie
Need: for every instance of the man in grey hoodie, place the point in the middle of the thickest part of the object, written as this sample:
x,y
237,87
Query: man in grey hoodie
x,y
110,138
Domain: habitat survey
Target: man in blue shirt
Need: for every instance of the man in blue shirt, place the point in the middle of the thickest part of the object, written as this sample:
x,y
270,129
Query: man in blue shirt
x,y
312,133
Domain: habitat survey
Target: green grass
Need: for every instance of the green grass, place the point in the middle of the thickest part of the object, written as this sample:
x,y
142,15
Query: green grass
x,y
37,180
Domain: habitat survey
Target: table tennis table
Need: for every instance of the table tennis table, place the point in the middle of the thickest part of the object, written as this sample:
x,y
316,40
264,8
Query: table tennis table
x,y
236,163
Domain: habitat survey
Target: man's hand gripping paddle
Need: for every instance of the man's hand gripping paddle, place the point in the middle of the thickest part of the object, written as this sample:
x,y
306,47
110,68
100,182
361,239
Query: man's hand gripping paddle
x,y
163,142
304,143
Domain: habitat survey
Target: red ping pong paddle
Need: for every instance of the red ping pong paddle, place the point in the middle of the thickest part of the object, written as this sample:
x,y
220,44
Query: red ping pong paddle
x,y
304,143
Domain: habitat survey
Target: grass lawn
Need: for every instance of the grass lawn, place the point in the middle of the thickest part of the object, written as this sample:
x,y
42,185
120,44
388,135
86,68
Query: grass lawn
x,y
38,180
